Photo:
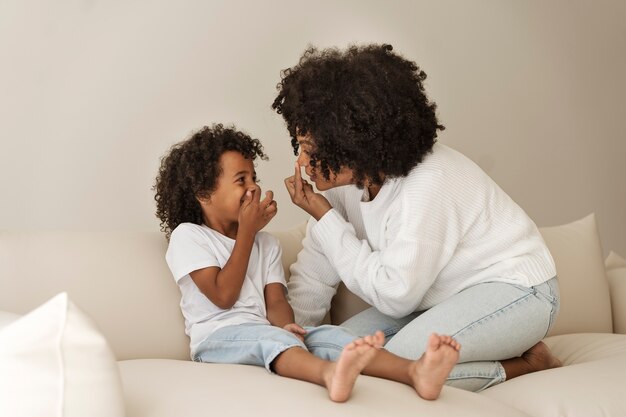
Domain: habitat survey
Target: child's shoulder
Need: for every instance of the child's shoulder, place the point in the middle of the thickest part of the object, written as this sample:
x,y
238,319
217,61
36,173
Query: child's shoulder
x,y
267,239
184,228
186,231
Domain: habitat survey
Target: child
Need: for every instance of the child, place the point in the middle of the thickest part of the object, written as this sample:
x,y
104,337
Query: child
x,y
232,282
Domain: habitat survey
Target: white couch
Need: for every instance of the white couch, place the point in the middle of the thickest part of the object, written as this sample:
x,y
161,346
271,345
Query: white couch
x,y
121,281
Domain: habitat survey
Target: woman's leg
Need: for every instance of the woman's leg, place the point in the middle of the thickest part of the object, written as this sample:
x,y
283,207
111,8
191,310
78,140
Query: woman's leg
x,y
492,321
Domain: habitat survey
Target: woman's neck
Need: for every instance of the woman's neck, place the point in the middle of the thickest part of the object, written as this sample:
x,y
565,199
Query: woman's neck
x,y
373,190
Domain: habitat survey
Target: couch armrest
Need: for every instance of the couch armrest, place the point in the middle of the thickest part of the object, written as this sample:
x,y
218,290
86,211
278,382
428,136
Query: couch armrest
x,y
616,274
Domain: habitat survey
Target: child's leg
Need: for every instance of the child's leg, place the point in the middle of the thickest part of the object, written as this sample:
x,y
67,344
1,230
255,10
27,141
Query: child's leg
x,y
282,352
427,375
338,377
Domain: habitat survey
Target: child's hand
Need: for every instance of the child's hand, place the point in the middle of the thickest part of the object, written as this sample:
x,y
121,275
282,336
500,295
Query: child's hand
x,y
295,329
254,215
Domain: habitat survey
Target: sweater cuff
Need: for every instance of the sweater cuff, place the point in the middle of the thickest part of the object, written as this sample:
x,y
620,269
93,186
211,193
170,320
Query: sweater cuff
x,y
326,228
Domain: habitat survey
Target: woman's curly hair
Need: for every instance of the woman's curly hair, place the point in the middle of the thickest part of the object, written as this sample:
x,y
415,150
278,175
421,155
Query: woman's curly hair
x,y
191,169
365,108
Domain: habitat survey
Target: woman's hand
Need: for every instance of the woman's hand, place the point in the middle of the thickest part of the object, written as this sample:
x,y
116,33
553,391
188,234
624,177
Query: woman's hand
x,y
296,330
303,196
254,214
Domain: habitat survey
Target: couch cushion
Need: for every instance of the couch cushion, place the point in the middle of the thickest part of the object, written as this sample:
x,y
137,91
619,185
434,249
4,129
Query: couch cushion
x,y
120,279
165,388
616,274
54,362
591,384
585,299
290,243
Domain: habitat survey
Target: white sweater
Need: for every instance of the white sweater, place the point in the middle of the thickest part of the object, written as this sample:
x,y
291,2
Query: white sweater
x,y
425,237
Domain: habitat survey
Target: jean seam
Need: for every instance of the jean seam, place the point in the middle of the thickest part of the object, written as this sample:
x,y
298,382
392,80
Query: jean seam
x,y
313,345
553,305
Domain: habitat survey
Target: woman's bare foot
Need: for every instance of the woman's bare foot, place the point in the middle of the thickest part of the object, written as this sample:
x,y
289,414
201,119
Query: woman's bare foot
x,y
537,358
540,358
430,372
355,356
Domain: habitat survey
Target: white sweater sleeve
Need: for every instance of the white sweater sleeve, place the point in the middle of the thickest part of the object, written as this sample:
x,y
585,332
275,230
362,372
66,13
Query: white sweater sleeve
x,y
393,280
313,283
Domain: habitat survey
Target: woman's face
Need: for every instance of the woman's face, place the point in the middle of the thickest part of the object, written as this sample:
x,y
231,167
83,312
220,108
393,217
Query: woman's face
x,y
306,147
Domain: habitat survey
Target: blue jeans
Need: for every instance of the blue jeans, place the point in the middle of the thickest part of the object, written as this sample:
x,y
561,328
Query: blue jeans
x,y
260,344
492,321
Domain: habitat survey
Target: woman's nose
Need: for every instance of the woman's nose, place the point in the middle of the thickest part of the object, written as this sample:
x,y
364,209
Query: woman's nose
x,y
303,161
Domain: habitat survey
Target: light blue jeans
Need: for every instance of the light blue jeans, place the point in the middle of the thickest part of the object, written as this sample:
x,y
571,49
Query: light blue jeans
x,y
260,344
492,321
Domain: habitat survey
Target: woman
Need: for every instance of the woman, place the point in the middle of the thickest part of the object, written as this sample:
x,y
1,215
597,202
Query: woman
x,y
411,226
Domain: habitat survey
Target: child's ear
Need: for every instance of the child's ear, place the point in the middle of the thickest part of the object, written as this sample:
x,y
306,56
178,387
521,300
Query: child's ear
x,y
203,198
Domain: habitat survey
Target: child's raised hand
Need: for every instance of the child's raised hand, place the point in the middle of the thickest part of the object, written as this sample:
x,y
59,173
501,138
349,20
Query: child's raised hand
x,y
254,214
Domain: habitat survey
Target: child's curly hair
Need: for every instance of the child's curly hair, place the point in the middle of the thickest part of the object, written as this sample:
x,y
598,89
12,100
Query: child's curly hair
x,y
365,109
191,169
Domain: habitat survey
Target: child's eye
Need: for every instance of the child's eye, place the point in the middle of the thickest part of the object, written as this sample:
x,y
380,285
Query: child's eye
x,y
241,179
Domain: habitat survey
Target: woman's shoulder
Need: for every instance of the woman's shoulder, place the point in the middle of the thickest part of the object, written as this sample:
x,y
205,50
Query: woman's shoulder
x,y
445,164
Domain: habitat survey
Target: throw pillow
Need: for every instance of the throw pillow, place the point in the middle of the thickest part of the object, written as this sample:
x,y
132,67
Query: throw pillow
x,y
616,273
7,318
56,363
585,299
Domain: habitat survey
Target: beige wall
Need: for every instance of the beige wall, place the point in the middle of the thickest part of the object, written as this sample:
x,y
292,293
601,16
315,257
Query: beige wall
x,y
92,93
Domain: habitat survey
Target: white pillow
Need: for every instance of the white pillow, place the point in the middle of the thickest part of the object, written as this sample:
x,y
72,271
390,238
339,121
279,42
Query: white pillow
x,y
56,363
7,318
585,299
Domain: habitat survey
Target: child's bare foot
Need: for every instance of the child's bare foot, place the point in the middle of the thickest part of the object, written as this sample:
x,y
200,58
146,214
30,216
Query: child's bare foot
x,y
355,356
430,372
539,358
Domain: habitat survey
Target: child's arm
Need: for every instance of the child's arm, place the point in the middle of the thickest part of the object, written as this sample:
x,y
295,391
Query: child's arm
x,y
223,286
279,312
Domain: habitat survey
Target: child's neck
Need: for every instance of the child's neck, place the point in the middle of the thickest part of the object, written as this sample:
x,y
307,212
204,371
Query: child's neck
x,y
228,229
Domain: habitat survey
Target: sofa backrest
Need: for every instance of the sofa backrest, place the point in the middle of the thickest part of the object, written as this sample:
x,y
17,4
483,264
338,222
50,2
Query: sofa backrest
x,y
121,280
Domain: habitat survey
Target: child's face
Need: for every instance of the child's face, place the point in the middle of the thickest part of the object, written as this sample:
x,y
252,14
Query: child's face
x,y
343,177
237,177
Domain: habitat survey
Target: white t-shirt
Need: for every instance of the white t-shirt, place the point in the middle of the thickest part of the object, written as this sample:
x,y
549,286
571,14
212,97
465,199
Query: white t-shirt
x,y
194,247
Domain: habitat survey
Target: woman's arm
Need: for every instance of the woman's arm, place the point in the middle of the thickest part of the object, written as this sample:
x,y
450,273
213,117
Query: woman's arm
x,y
313,282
